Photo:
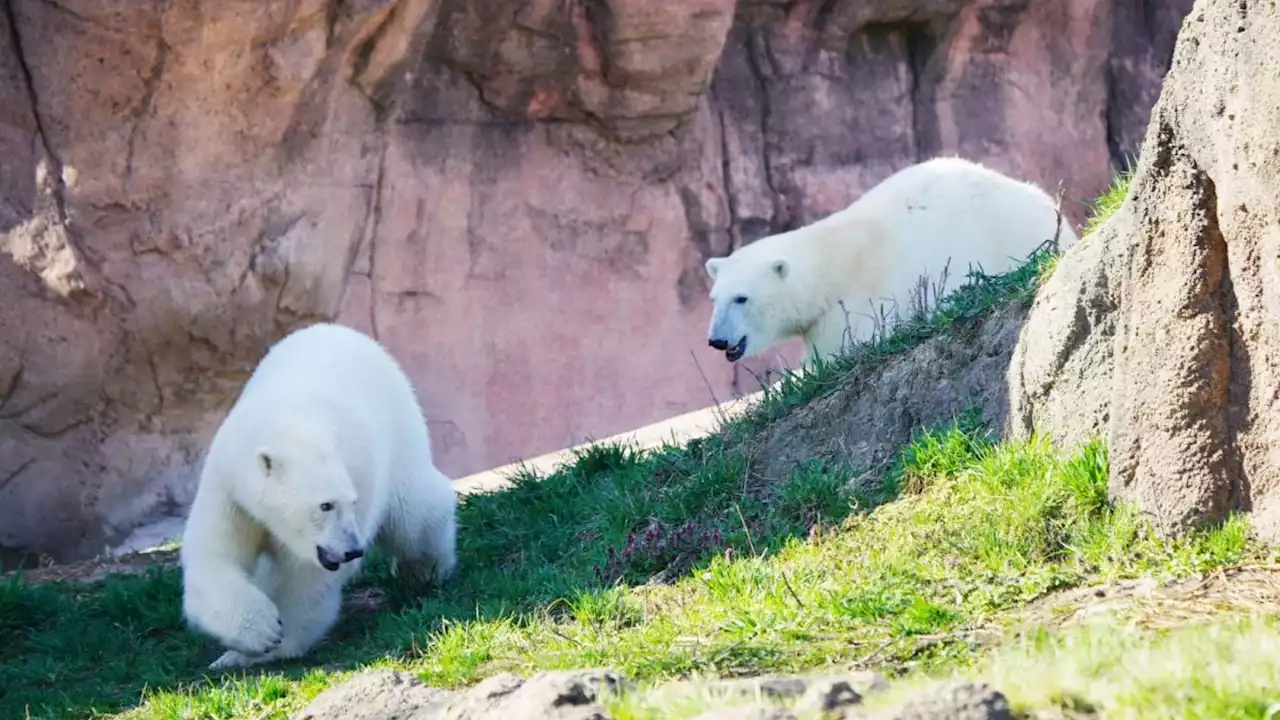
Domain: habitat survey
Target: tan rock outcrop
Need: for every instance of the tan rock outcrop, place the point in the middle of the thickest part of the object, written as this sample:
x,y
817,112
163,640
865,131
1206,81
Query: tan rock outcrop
x,y
1159,332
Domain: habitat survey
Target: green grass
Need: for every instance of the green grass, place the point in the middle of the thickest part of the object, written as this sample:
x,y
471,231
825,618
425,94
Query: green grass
x,y
1227,669
1223,670
1110,200
828,566
979,529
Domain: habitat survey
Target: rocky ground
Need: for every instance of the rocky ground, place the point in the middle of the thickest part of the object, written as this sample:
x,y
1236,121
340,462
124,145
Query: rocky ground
x,y
577,695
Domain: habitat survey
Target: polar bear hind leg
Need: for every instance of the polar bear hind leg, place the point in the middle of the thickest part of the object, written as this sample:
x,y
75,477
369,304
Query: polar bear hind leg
x,y
421,535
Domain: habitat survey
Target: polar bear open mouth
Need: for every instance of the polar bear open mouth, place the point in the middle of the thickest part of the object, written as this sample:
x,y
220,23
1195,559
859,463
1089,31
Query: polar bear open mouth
x,y
736,352
326,561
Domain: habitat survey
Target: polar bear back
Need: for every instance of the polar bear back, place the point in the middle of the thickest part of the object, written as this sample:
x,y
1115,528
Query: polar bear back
x,y
943,216
949,203
841,275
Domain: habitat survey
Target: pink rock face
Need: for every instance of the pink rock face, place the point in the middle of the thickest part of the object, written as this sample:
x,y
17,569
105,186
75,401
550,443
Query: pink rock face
x,y
516,200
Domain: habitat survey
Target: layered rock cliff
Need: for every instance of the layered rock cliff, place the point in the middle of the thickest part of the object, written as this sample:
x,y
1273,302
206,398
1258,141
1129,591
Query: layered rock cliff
x,y
515,197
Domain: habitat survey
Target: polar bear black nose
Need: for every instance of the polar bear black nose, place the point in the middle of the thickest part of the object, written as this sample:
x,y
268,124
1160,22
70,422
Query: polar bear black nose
x,y
353,555
718,344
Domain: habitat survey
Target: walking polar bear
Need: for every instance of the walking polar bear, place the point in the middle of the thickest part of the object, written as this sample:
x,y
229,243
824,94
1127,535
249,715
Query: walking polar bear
x,y
822,282
325,451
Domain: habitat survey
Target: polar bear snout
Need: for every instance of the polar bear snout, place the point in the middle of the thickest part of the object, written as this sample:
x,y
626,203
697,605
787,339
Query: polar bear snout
x,y
725,332
341,546
732,353
331,560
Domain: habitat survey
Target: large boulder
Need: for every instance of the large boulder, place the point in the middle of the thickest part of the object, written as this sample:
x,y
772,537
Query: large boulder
x,y
1159,332
515,198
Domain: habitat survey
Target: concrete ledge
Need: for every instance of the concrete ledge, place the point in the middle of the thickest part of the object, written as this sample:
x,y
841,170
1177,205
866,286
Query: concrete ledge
x,y
678,429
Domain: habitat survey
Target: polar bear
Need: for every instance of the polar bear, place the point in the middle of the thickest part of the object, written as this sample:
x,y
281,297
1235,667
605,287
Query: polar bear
x,y
325,450
827,281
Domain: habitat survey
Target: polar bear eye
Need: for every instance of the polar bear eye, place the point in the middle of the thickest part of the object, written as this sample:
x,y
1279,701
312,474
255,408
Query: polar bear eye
x,y
326,507
740,300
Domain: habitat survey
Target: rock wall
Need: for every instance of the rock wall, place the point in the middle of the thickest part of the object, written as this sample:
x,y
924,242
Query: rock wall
x,y
1159,332
516,198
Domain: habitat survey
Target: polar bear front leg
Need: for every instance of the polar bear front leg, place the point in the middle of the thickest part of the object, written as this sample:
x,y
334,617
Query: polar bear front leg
x,y
309,604
219,598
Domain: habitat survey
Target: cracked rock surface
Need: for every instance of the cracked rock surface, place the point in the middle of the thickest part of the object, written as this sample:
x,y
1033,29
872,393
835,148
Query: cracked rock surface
x,y
516,198
1159,333
584,695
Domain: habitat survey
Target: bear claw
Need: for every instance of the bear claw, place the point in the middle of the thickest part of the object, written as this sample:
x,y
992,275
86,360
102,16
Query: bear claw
x,y
234,659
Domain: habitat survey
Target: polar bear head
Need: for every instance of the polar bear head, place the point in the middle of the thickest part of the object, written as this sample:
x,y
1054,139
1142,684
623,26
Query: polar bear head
x,y
303,495
751,295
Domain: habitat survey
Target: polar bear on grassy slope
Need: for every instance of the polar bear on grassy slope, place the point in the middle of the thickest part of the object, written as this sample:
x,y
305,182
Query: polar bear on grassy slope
x,y
325,451
873,254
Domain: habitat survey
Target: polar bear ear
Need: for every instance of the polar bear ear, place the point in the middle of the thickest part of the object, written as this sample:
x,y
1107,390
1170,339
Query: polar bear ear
x,y
782,268
713,267
266,462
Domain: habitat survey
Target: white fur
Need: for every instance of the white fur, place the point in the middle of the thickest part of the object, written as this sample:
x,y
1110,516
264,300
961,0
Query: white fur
x,y
872,254
337,422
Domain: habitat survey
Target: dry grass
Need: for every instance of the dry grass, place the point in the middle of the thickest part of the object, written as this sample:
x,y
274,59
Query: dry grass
x,y
1149,604
97,569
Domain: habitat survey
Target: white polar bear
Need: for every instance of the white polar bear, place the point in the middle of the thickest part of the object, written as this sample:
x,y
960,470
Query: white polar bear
x,y
827,281
325,450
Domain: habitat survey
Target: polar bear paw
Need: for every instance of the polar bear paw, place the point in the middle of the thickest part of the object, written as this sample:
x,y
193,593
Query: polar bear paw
x,y
259,631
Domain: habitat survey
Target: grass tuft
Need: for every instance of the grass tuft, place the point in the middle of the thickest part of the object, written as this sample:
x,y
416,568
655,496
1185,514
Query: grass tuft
x,y
1110,200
